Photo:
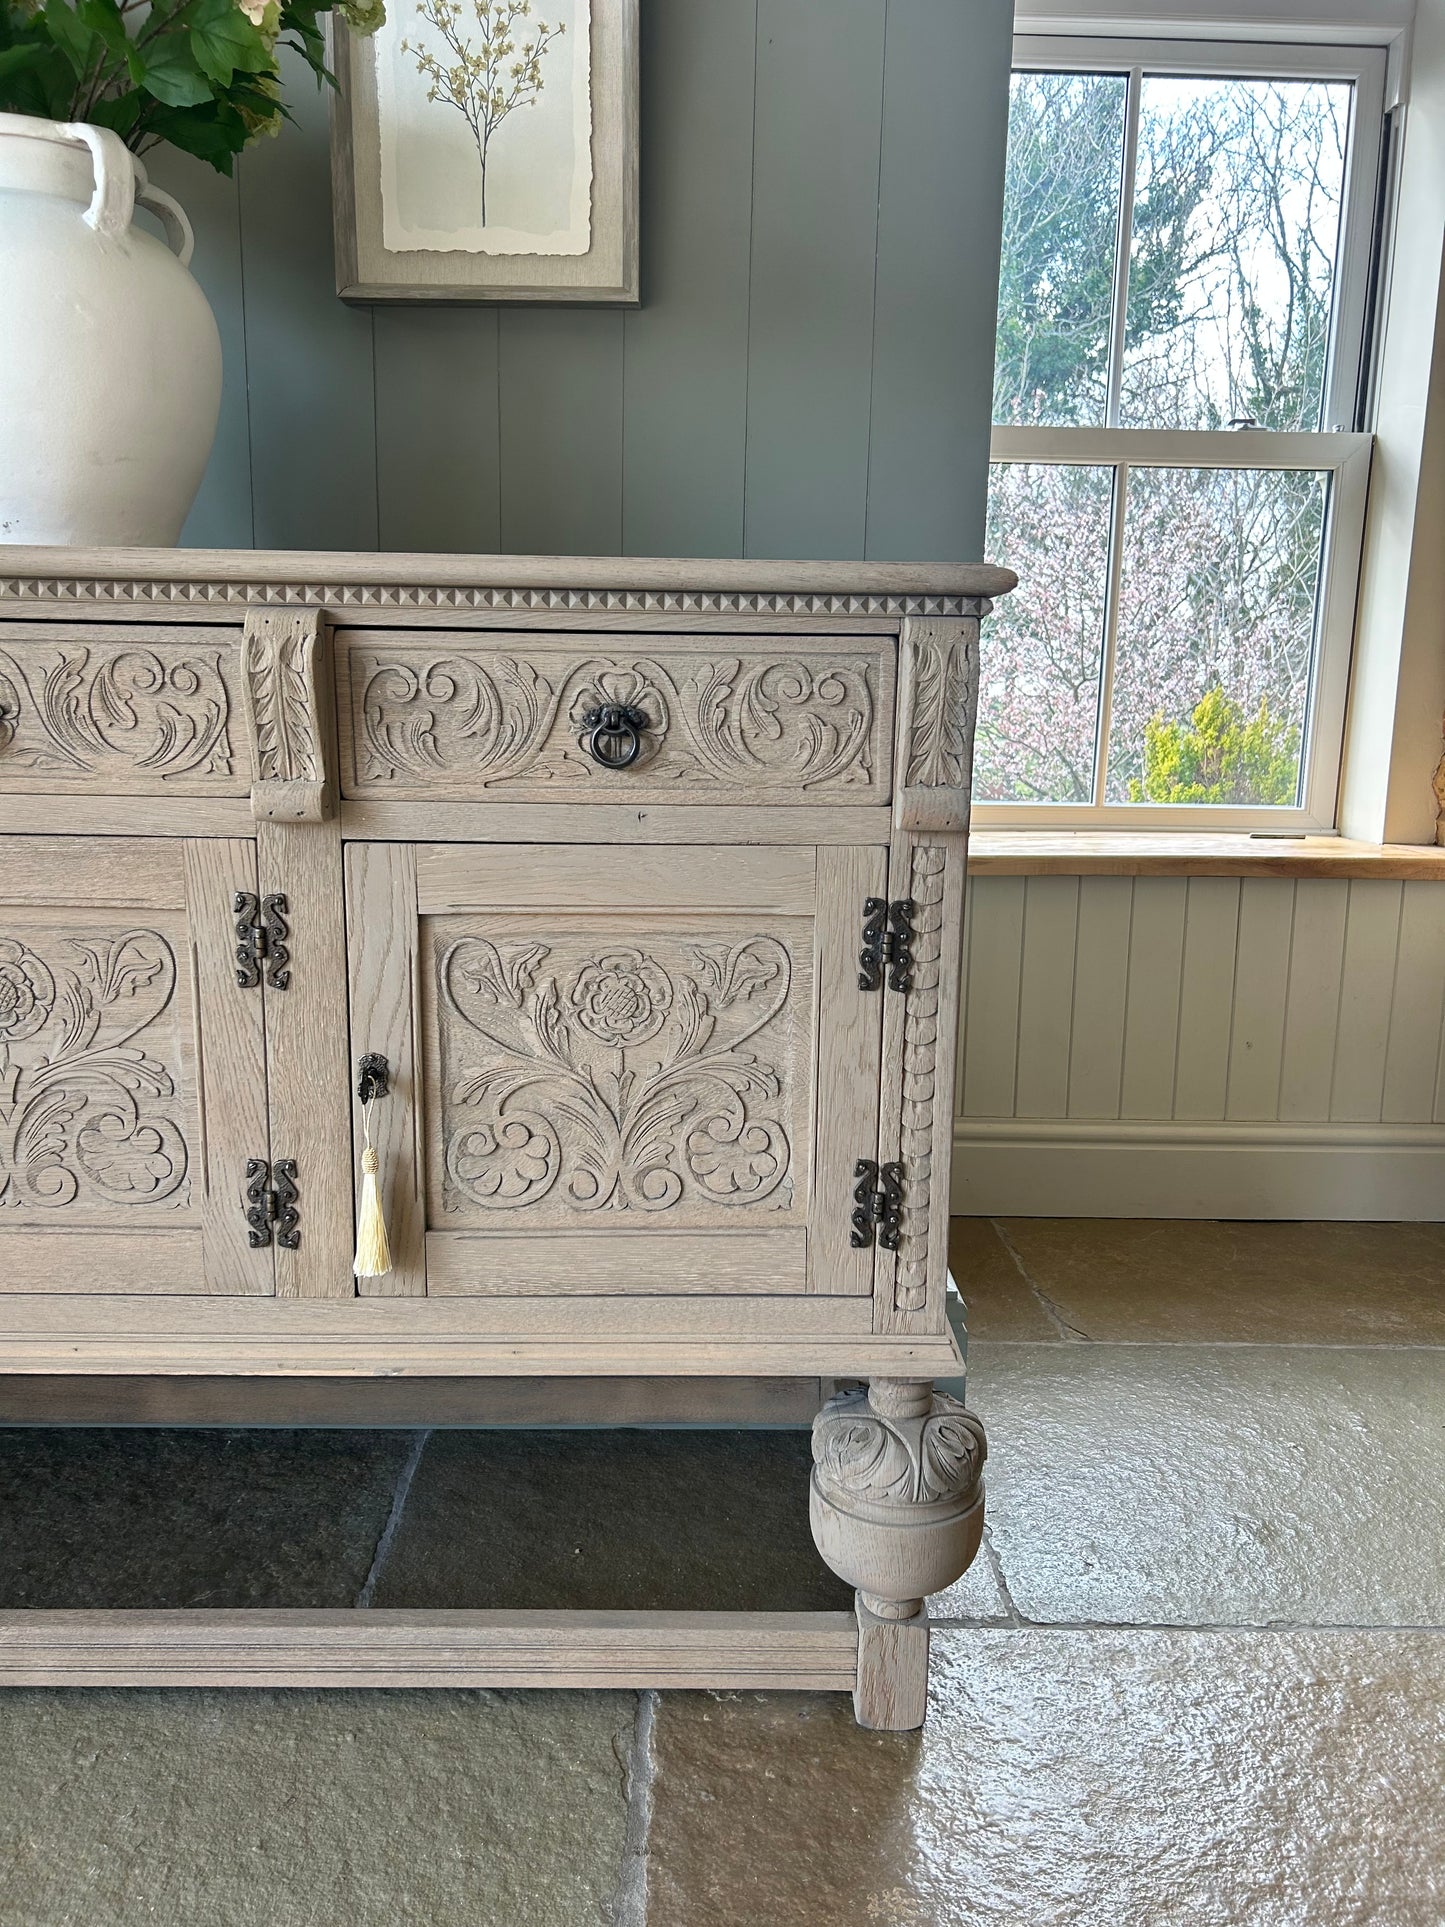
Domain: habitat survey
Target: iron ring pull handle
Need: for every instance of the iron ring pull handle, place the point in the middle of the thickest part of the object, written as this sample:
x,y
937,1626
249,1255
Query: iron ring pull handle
x,y
614,737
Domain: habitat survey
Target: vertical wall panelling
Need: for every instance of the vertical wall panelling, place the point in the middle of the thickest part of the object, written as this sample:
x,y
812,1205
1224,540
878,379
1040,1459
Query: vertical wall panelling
x,y
1151,1018
1312,1001
942,174
1372,933
818,112
686,348
745,407
995,941
1046,996
1101,982
561,430
308,356
1412,1056
1206,996
221,514
1261,978
1276,1048
436,428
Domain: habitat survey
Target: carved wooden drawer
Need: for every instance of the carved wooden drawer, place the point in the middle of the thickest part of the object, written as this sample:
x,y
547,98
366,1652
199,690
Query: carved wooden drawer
x,y
746,719
121,708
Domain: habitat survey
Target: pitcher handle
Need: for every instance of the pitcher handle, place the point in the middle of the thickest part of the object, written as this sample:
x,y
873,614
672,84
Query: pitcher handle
x,y
172,216
113,202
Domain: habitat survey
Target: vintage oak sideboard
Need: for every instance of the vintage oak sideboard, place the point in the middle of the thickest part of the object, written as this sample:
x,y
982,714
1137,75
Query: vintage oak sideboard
x,y
640,886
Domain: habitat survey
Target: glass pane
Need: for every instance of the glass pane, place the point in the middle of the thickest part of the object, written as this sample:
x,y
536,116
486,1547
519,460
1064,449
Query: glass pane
x,y
1060,229
1237,207
1042,648
1221,571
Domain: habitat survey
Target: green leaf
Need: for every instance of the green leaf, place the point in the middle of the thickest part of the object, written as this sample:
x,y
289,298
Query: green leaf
x,y
168,71
214,132
70,34
119,112
223,39
37,77
14,60
102,18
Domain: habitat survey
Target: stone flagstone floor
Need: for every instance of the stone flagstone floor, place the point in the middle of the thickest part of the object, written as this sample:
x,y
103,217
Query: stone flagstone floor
x,y
1196,1679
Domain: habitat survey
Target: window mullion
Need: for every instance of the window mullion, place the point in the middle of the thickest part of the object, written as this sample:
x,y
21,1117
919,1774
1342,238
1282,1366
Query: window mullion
x,y
1111,633
1122,246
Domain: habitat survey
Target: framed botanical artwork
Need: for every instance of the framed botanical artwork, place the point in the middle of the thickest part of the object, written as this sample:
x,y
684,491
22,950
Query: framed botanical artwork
x,y
486,150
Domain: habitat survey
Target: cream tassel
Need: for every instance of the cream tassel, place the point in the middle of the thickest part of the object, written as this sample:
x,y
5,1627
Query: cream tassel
x,y
373,1253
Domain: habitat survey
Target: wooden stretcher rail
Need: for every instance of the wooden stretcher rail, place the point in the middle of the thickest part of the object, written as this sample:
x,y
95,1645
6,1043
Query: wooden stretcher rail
x,y
816,1652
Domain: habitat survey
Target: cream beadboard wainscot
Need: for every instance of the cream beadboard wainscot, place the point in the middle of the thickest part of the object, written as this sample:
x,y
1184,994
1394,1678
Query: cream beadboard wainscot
x,y
640,885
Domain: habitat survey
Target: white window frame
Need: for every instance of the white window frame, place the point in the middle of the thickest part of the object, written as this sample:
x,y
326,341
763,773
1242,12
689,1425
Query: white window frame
x,y
1337,448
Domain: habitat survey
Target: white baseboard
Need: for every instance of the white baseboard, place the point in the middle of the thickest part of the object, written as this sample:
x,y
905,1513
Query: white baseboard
x,y
1086,1168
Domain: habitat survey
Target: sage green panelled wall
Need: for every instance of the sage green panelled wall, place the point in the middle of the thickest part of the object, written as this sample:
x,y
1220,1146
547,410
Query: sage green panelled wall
x,y
808,375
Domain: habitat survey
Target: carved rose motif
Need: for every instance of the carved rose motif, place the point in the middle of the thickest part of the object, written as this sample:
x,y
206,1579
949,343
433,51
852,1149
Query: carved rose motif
x,y
27,991
618,1082
622,998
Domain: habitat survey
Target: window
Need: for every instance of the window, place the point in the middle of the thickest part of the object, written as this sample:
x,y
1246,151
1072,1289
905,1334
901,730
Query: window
x,y
1177,473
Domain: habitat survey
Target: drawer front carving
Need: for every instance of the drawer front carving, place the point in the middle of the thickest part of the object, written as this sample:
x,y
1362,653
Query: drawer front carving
x,y
590,1070
93,707
717,718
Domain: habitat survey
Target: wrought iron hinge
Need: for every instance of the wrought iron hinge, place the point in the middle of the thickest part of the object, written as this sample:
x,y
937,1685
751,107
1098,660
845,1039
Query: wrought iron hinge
x,y
887,939
877,1204
262,935
271,1196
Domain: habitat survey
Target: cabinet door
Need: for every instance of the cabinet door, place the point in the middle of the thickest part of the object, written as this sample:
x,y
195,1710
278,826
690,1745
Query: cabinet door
x,y
636,1070
132,1071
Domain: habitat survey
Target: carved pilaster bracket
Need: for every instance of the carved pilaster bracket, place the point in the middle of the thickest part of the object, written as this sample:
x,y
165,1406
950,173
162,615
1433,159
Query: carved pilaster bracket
x,y
940,692
286,682
897,1491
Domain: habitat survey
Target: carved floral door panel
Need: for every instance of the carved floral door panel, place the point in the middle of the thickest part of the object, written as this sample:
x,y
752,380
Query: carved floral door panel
x,y
132,1069
121,709
638,1070
720,719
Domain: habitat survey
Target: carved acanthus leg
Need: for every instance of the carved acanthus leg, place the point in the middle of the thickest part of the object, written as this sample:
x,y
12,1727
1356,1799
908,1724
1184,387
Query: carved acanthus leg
x,y
897,1510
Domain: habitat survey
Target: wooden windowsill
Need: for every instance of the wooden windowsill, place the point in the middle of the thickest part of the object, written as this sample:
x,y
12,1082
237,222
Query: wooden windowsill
x,y
1078,853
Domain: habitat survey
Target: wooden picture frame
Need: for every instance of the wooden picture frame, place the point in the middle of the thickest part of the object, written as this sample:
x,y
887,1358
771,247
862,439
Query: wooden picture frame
x,y
600,264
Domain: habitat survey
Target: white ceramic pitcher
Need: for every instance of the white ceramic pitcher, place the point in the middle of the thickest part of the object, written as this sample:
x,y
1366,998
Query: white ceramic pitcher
x,y
110,364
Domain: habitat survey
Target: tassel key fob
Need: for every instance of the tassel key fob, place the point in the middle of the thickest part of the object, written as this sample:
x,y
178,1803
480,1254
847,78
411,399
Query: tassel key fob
x,y
373,1253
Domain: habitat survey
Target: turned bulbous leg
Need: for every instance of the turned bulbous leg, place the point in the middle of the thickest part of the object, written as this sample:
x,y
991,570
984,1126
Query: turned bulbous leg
x,y
896,1505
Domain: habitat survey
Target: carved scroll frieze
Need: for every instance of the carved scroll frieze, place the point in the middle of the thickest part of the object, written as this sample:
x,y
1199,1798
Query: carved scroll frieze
x,y
657,1075
418,715
89,1116
920,1082
84,711
944,685
287,697
728,722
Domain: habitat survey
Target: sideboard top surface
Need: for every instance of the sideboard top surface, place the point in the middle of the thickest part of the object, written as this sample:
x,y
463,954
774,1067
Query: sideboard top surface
x,y
617,572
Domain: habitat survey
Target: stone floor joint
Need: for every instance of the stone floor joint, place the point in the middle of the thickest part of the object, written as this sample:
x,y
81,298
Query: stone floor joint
x,y
1071,1334
389,1531
630,1906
